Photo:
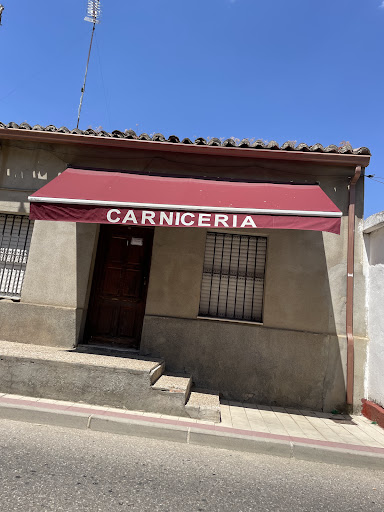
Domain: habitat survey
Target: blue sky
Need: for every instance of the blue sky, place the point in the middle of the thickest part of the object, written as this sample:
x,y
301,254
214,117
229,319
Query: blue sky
x,y
277,70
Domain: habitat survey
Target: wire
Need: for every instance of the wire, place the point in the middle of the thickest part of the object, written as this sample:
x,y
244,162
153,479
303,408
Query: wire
x,y
378,181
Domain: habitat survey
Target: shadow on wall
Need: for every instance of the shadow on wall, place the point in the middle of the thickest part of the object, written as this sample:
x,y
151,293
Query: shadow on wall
x,y
298,364
21,209
26,168
86,244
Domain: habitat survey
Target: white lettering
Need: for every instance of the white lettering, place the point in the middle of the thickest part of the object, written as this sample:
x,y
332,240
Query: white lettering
x,y
109,215
221,219
166,218
234,221
147,216
183,221
130,216
204,218
177,218
248,221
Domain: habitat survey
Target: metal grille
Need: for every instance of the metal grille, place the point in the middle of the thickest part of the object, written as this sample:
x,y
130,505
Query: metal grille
x,y
233,277
15,239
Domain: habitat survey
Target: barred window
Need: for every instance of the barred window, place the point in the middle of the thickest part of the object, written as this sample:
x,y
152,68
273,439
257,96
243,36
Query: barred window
x,y
15,239
233,277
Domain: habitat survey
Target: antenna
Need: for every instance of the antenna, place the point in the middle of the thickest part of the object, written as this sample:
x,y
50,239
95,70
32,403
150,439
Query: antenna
x,y
93,16
1,11
93,11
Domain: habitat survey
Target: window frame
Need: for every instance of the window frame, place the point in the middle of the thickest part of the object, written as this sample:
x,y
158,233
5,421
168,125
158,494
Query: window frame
x,y
14,248
236,232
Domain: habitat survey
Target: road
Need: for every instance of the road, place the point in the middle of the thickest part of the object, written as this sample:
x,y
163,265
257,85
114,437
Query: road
x,y
45,468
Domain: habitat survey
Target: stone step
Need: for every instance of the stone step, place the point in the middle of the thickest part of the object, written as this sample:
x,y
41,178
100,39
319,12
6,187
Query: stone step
x,y
100,376
204,405
172,392
104,350
61,374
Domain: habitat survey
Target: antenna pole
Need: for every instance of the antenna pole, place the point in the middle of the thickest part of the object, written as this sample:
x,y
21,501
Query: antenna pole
x,y
85,77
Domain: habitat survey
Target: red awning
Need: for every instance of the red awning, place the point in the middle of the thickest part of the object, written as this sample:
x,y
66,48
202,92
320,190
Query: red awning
x,y
106,197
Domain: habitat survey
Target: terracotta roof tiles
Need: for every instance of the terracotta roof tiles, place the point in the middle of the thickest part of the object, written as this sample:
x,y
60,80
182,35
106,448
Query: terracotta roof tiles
x,y
199,141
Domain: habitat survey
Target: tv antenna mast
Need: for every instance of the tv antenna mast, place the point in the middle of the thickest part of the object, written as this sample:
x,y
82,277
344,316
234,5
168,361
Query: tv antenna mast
x,y
93,16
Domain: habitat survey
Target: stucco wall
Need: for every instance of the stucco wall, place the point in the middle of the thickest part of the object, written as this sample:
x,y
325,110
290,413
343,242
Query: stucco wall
x,y
375,298
257,364
54,295
297,288
295,357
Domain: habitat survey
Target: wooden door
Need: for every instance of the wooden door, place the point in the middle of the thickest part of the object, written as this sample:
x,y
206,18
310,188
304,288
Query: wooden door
x,y
119,290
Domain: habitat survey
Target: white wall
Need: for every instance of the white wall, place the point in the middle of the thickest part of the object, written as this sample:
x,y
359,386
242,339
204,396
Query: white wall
x,y
374,238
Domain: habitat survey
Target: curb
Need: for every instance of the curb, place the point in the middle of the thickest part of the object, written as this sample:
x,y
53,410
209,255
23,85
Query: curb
x,y
203,434
373,412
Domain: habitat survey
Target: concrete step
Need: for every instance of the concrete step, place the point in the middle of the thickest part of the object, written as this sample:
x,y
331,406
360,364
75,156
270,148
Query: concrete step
x,y
100,376
122,352
204,405
172,391
61,374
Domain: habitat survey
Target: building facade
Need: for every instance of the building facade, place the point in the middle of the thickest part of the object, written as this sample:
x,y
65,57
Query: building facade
x,y
255,313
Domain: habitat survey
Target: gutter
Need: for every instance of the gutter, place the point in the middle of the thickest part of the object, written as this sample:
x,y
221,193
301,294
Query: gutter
x,y
170,147
350,285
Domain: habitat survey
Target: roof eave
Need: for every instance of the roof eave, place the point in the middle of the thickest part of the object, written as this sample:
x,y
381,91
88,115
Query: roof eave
x,y
87,140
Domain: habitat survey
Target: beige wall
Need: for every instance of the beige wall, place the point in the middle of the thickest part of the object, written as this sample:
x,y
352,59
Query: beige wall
x,y
305,286
298,356
53,302
299,295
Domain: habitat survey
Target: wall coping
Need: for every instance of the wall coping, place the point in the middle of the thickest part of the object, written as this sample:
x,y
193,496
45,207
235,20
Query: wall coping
x,y
374,222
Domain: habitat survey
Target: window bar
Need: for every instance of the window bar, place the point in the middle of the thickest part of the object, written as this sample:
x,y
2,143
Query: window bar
x,y
212,269
6,252
16,238
2,263
229,276
237,277
263,276
245,279
221,277
23,253
254,278
11,289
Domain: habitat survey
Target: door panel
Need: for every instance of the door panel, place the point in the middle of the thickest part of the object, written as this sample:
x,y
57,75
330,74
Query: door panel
x,y
131,283
127,322
104,318
116,250
111,282
119,289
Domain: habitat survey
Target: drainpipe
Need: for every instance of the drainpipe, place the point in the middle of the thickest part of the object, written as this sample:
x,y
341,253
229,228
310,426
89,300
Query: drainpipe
x,y
350,283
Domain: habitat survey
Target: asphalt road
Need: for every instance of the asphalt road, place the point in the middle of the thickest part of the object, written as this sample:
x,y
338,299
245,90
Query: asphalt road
x,y
45,468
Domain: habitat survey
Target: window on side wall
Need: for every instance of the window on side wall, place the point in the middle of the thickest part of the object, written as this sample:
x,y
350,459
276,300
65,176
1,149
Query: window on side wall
x,y
233,277
15,239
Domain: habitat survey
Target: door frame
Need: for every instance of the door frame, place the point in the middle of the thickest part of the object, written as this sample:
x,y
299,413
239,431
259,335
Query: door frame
x,y
98,263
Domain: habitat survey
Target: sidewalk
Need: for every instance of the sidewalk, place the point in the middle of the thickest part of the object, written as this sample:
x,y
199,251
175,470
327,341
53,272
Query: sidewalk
x,y
303,435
